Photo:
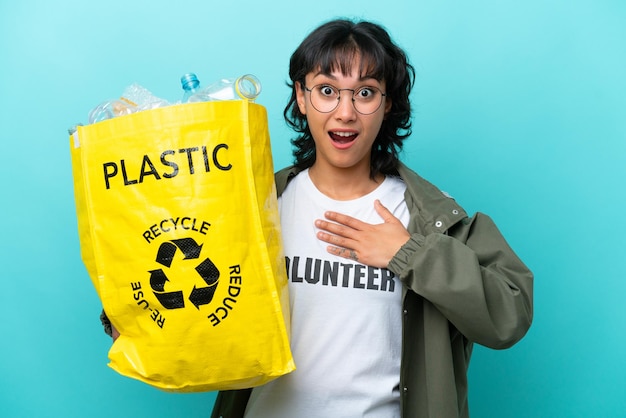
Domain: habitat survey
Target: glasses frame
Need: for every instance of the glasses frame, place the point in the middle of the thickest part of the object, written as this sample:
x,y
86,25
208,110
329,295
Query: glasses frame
x,y
310,90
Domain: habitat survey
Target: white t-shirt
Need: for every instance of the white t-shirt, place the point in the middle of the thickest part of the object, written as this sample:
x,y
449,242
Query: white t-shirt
x,y
345,317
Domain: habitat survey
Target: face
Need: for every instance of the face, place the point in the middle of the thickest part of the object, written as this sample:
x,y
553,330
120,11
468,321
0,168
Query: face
x,y
343,137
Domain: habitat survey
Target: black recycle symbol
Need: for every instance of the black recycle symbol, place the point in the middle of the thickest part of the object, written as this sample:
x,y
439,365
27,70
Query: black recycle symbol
x,y
206,269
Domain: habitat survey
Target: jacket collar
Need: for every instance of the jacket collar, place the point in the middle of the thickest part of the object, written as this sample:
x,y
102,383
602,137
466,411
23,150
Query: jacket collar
x,y
435,210
283,177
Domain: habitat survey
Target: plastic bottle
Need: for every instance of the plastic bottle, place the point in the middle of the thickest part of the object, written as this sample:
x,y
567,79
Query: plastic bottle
x,y
135,98
246,87
72,129
111,109
190,84
142,98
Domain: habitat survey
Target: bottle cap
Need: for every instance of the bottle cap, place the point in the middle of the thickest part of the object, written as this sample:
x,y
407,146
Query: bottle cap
x,y
248,86
189,81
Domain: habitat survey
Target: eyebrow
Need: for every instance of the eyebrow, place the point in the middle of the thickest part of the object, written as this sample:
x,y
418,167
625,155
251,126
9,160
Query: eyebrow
x,y
366,78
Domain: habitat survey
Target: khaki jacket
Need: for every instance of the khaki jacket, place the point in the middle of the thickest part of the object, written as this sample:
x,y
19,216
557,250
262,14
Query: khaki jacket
x,y
462,285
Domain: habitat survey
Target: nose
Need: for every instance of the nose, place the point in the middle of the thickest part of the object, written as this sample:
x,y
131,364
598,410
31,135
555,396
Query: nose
x,y
345,108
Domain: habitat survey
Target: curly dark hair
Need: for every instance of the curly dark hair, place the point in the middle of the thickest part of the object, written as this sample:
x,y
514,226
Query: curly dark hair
x,y
334,45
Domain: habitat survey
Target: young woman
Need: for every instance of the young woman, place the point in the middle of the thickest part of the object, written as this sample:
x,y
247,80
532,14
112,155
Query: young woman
x,y
390,281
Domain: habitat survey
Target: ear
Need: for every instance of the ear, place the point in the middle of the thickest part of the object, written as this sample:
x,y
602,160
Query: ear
x,y
387,105
300,97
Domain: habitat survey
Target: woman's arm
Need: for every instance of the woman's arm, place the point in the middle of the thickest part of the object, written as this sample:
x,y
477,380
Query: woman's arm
x,y
474,278
109,329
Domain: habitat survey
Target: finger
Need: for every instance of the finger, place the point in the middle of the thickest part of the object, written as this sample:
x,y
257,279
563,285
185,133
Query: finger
x,y
335,240
344,220
114,333
335,228
384,212
343,252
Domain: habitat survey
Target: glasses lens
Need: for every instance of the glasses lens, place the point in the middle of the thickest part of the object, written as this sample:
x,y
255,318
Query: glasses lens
x,y
324,98
367,100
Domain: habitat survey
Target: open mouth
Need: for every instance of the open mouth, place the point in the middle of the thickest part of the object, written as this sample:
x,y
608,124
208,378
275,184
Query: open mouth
x,y
343,137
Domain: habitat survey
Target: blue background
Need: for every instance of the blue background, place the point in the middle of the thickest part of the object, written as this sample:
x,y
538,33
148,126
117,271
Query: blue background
x,y
520,112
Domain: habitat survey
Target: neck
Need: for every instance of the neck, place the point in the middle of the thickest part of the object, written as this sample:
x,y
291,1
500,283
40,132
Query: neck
x,y
344,183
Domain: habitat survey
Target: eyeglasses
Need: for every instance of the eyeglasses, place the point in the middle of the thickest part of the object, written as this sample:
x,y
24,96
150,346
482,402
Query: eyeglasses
x,y
325,98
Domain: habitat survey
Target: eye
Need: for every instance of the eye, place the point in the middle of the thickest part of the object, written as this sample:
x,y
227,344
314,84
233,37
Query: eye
x,y
365,93
327,91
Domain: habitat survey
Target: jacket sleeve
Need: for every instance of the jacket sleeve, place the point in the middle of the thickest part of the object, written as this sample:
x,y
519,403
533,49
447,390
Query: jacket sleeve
x,y
473,277
231,403
106,324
